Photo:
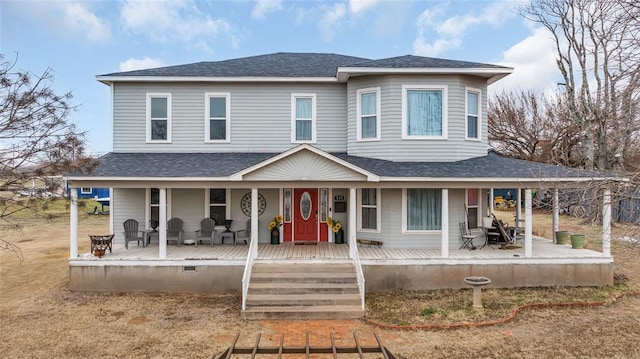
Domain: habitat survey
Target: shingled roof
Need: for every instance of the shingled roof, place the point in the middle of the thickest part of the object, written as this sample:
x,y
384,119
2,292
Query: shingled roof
x,y
292,65
217,165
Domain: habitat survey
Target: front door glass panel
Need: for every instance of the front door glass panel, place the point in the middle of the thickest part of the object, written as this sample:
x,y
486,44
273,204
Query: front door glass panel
x,y
305,206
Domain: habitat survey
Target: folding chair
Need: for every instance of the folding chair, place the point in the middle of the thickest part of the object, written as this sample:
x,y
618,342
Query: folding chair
x,y
467,237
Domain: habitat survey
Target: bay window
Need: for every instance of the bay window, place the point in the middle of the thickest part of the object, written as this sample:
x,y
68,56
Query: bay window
x,y
424,112
473,124
368,117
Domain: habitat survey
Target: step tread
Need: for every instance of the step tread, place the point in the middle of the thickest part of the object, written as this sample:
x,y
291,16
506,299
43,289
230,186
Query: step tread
x,y
302,275
290,297
304,308
302,285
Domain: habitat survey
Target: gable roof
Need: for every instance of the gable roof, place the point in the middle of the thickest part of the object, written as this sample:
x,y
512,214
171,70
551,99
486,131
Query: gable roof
x,y
304,67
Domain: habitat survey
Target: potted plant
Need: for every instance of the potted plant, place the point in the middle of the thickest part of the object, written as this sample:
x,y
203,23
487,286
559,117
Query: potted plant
x,y
336,228
274,227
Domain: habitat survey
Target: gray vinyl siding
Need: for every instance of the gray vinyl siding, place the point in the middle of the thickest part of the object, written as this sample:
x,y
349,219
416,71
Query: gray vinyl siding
x,y
127,203
260,117
391,222
391,145
188,205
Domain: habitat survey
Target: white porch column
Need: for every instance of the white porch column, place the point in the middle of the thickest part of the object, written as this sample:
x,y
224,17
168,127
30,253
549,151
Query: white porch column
x,y
353,208
556,214
606,223
528,224
445,223
490,201
254,220
73,225
162,226
518,207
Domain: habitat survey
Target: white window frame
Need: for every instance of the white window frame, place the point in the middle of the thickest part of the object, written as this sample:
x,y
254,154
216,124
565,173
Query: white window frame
x,y
479,114
147,205
378,208
359,93
405,216
85,190
477,206
445,111
151,95
295,96
207,119
208,204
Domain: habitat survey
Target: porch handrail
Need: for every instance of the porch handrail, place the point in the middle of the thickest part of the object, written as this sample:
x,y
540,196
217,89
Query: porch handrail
x,y
246,277
355,256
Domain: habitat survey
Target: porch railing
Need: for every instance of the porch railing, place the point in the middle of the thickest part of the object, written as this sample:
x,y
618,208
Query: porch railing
x,y
355,256
246,277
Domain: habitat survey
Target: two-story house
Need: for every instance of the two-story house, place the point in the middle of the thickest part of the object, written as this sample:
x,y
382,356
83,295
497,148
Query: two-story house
x,y
395,149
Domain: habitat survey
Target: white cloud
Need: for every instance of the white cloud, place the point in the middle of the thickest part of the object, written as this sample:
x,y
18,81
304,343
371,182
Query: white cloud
x,y
79,20
356,6
138,64
264,7
172,21
534,63
330,22
436,33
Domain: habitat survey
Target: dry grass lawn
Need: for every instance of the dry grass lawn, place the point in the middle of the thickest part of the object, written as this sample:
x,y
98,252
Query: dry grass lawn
x,y
41,318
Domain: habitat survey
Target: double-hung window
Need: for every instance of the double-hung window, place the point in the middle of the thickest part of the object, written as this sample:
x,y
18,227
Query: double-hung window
x,y
473,124
217,116
154,204
424,112
303,118
370,209
422,209
158,117
472,207
218,204
368,114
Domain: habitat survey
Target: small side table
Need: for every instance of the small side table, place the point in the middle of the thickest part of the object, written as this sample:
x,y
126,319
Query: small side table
x,y
231,235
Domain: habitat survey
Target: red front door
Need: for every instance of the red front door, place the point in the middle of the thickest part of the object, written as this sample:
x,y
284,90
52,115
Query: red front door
x,y
305,214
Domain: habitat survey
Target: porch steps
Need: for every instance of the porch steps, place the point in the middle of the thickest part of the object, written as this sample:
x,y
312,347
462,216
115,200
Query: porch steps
x,y
303,291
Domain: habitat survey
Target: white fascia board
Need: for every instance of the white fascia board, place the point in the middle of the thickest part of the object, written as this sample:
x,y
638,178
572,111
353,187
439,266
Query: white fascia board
x,y
370,176
111,79
147,179
494,179
344,72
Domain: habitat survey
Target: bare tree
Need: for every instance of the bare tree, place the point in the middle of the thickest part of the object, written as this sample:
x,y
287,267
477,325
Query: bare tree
x,y
529,126
36,138
598,55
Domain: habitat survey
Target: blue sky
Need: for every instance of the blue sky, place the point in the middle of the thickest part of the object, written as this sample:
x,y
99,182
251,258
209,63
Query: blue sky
x,y
82,39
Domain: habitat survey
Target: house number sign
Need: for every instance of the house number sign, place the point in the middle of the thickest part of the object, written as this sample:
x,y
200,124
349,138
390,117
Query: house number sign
x,y
338,198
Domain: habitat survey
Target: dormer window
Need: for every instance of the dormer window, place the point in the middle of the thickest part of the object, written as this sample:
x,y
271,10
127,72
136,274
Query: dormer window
x,y
217,118
159,117
368,114
473,124
424,112
303,118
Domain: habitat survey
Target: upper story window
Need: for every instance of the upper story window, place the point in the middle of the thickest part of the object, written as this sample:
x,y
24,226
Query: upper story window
x,y
473,124
424,112
217,117
303,118
368,105
158,117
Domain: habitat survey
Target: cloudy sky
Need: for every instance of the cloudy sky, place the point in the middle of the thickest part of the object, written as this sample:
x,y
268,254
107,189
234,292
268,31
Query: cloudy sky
x,y
82,39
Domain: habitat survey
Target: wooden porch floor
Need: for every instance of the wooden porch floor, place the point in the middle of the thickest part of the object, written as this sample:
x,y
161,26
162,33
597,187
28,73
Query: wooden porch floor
x,y
542,249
